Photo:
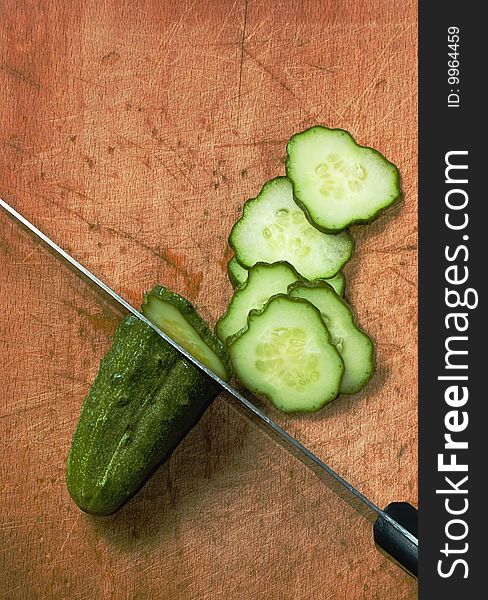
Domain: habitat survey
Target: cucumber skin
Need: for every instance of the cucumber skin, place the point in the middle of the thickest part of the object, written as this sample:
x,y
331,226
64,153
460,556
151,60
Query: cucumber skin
x,y
129,425
255,313
371,218
271,182
341,286
232,278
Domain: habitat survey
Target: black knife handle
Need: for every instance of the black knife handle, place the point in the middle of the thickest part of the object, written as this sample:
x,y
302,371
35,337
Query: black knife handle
x,y
391,541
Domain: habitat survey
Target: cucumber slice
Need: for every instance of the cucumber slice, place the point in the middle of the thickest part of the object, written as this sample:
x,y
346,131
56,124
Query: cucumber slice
x,y
264,281
236,273
353,344
336,181
338,282
272,228
238,277
286,355
175,316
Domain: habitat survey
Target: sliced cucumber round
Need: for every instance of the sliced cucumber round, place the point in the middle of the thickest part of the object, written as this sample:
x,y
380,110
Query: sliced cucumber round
x,y
338,282
286,355
353,344
273,228
336,181
238,276
236,273
177,317
265,280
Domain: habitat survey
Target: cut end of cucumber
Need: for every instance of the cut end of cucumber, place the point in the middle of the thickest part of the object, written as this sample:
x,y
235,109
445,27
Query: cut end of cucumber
x,y
181,325
338,182
286,355
273,228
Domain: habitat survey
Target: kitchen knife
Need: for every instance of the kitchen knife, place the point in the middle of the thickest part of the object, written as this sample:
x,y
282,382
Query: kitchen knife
x,y
394,528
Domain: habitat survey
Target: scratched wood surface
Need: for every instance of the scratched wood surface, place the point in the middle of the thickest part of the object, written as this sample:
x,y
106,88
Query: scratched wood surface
x,y
131,133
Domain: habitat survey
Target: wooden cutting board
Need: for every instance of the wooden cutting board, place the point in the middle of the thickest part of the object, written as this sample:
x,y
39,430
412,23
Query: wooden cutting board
x,y
132,132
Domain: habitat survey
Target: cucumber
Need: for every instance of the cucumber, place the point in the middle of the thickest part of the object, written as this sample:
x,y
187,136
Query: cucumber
x,y
236,273
178,318
144,400
273,228
336,181
338,283
238,276
265,280
355,347
286,354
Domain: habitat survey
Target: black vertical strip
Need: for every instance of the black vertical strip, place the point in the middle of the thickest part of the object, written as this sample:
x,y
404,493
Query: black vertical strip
x,y
443,129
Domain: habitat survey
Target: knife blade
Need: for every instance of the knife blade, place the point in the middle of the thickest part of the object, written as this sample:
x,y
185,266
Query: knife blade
x,y
394,529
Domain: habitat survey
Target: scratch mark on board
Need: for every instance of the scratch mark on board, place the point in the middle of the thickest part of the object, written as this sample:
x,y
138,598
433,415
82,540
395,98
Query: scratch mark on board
x,y
283,84
371,77
13,72
225,21
63,545
407,99
243,39
107,228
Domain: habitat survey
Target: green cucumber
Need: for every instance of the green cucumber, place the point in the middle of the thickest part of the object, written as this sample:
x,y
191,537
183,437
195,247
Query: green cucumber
x,y
336,181
144,400
338,282
273,228
286,355
238,276
178,318
355,347
265,280
236,273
